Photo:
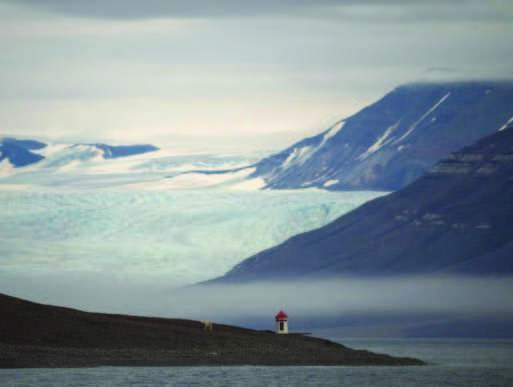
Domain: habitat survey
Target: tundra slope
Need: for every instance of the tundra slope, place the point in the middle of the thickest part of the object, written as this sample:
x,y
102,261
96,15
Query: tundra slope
x,y
457,218
36,335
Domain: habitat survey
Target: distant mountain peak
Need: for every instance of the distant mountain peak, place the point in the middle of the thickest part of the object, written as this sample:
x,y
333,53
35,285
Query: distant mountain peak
x,y
24,152
19,153
116,151
388,144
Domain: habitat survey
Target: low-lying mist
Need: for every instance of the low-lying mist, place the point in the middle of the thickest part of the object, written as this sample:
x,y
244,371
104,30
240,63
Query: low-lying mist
x,y
415,295
412,296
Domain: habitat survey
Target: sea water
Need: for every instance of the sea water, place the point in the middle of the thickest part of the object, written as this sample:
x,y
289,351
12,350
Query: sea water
x,y
450,363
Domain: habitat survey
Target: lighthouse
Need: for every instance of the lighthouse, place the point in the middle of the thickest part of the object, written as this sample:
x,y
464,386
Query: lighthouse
x,y
282,322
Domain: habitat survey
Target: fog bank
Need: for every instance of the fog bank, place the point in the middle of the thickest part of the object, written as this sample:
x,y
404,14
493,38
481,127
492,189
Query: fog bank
x,y
419,296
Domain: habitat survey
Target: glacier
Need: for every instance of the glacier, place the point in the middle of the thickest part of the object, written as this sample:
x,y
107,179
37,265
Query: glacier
x,y
179,236
75,225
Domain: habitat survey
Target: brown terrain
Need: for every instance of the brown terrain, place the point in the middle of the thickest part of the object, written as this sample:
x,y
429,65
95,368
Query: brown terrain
x,y
36,335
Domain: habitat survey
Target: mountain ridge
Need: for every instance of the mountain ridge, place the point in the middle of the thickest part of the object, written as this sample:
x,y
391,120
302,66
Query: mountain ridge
x,y
24,152
391,142
454,219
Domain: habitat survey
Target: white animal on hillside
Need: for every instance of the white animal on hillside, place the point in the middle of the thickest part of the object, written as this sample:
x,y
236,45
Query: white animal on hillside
x,y
207,325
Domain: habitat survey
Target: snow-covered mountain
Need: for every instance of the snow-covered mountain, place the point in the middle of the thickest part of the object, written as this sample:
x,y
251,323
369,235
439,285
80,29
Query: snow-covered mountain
x,y
58,165
457,218
383,147
23,153
393,141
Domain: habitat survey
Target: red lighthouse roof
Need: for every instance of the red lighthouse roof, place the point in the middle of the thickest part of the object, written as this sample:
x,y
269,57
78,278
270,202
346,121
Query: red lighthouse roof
x,y
281,315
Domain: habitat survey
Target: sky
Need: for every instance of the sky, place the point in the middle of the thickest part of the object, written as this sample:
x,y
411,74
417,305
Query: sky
x,y
229,74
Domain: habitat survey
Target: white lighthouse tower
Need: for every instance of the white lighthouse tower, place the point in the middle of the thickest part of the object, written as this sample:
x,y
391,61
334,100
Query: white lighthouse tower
x,y
282,322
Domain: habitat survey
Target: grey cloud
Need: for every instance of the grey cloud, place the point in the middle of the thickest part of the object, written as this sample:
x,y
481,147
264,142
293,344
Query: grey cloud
x,y
441,69
82,65
135,9
419,10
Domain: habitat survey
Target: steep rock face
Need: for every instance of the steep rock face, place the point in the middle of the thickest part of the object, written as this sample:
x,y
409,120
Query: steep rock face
x,y
457,218
392,142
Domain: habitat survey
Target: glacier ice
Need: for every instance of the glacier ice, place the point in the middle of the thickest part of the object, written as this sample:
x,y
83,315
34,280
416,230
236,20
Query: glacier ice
x,y
183,236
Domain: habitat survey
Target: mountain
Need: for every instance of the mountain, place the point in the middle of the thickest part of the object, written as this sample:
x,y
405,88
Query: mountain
x,y
25,144
393,141
144,166
457,218
36,335
113,152
21,153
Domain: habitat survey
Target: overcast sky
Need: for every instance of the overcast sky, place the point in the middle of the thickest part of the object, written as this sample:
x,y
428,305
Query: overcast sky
x,y
229,72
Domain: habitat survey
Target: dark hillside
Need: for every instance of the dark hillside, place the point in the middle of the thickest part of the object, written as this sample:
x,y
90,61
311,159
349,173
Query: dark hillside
x,y
36,335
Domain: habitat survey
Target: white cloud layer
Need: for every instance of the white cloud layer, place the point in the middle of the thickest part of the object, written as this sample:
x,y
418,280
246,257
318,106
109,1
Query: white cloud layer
x,y
169,71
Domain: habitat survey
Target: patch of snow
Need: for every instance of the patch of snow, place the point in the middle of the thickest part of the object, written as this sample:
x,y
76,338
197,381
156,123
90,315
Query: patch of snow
x,y
382,140
329,134
51,149
333,131
249,185
400,148
431,110
329,183
196,180
506,124
298,156
6,168
433,119
70,166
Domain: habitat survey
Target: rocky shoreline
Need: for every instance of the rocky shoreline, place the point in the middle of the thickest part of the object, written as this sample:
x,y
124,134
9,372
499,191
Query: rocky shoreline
x,y
34,335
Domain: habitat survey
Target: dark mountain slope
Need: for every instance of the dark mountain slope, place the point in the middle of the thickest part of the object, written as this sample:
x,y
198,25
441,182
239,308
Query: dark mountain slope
x,y
26,144
457,218
19,152
36,335
113,152
395,140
